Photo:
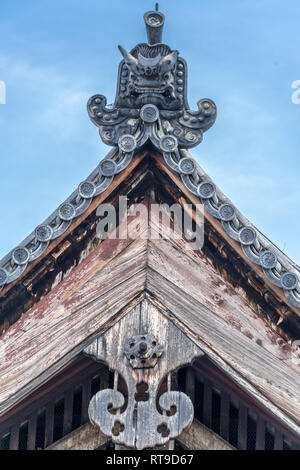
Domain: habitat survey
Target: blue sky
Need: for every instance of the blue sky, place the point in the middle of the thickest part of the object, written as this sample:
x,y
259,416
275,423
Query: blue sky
x,y
244,54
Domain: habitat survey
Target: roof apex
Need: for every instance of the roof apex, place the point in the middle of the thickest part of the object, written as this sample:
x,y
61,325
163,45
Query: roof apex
x,y
279,270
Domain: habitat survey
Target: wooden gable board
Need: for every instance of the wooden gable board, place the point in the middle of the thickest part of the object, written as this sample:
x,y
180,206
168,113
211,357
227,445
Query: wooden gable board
x,y
110,282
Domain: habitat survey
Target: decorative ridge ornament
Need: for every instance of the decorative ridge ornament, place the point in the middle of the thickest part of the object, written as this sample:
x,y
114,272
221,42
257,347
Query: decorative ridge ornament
x,y
151,99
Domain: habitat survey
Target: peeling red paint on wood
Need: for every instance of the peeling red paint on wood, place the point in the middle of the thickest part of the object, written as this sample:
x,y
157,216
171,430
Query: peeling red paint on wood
x,y
116,273
95,203
89,299
255,270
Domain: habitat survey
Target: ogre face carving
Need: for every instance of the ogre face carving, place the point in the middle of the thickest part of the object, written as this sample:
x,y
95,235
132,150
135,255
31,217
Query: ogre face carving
x,y
151,102
149,76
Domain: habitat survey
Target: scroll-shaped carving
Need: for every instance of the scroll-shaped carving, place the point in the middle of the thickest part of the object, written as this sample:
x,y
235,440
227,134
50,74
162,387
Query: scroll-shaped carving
x,y
152,427
137,422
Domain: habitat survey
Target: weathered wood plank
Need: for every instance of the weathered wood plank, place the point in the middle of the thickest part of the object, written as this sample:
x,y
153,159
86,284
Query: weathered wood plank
x,y
104,379
224,383
218,226
32,431
86,396
56,386
242,427
77,309
207,403
95,203
49,424
89,300
68,411
256,370
199,437
191,272
87,437
278,441
224,415
190,384
178,350
260,434
14,438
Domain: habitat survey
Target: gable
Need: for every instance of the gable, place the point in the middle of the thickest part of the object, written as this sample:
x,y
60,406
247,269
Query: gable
x,y
221,406
148,172
184,286
216,320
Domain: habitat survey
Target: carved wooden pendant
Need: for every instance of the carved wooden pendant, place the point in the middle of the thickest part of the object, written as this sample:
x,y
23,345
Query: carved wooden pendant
x,y
143,347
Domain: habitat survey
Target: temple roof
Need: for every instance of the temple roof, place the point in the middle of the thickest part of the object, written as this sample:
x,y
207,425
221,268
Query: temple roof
x,y
112,279
150,128
151,106
278,268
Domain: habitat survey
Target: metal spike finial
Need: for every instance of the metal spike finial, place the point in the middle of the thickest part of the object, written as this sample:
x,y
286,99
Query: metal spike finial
x,y
154,21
